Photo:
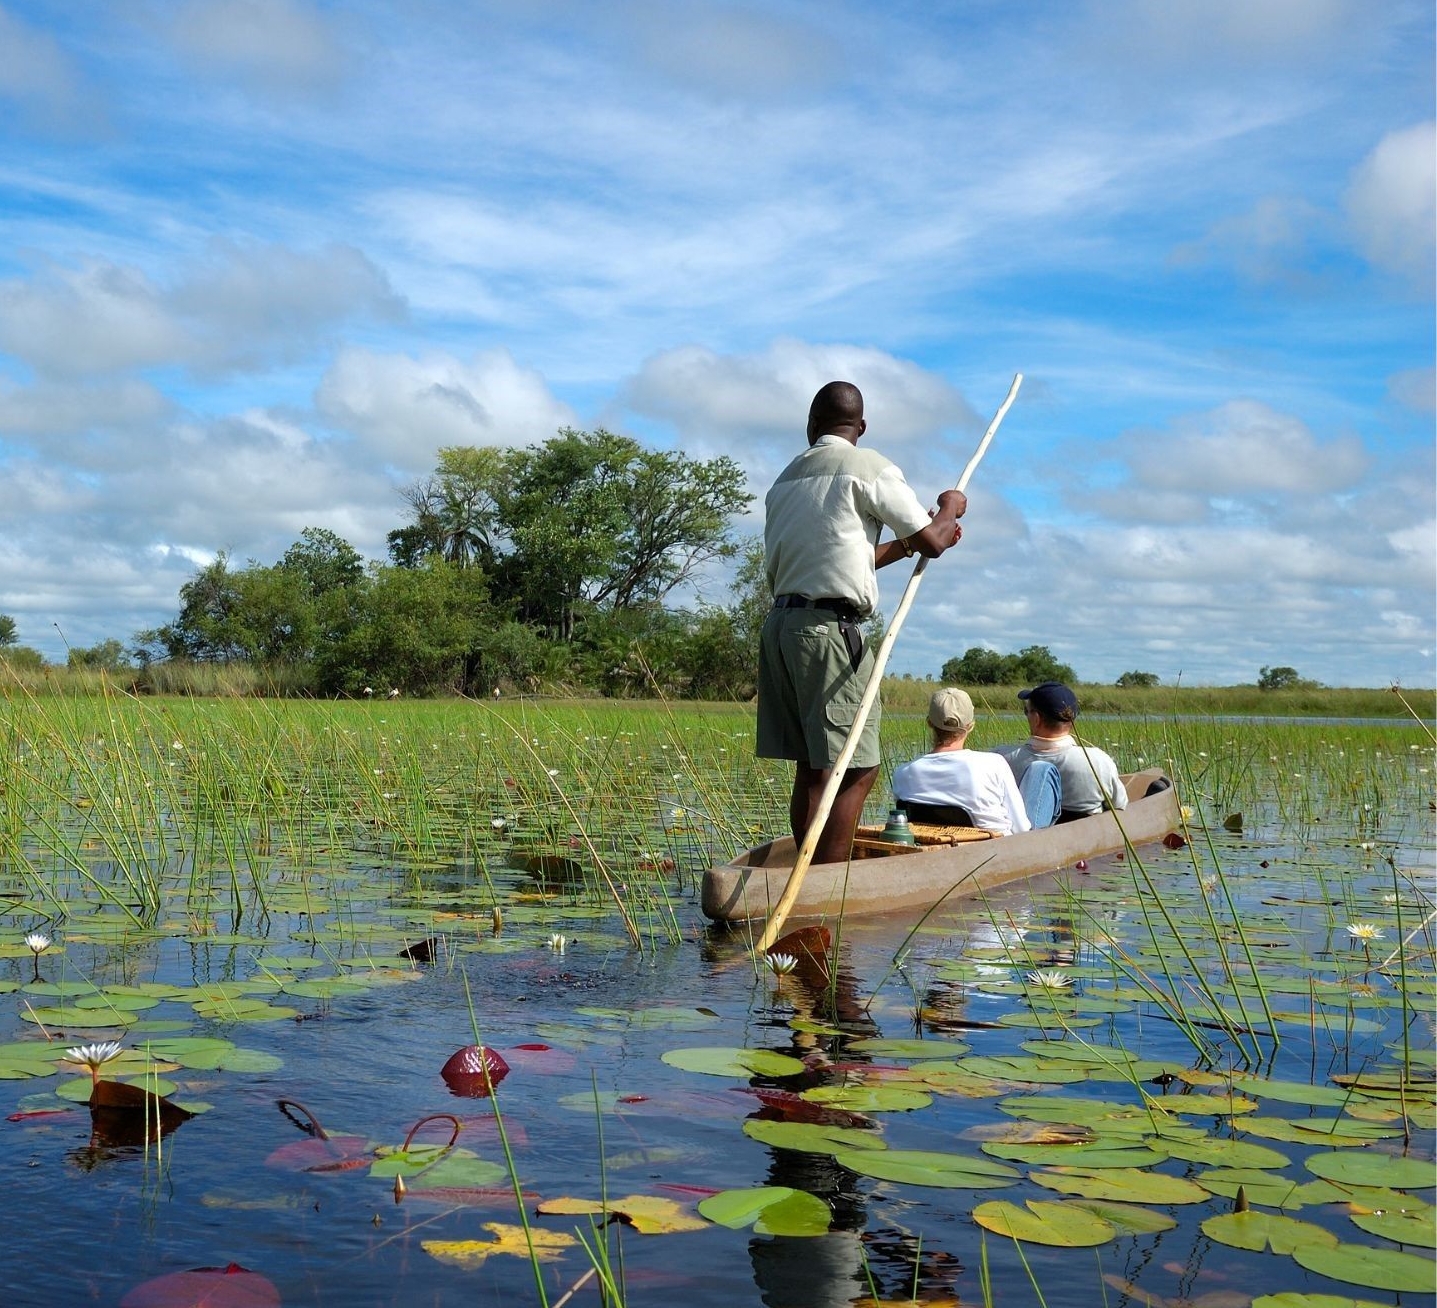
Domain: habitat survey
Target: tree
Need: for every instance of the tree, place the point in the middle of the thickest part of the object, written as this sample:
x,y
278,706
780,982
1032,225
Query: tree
x,y
8,635
985,667
1277,678
418,629
107,656
585,519
1137,680
455,510
323,561
977,667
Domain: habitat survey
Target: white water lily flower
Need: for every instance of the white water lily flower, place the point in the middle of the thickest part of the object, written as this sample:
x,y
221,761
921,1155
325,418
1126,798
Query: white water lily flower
x,y
1365,931
1050,980
37,942
780,964
95,1056
498,824
557,943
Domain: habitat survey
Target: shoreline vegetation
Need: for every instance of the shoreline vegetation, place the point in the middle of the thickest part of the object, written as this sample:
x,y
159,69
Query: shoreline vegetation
x,y
901,695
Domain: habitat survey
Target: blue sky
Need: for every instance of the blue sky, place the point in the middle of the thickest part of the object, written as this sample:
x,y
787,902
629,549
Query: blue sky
x,y
261,259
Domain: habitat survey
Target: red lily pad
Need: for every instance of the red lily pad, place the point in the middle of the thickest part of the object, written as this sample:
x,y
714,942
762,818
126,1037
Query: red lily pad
x,y
205,1287
474,1071
540,1058
337,1153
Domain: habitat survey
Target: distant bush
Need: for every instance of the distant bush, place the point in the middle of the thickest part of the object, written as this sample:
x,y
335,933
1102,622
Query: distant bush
x,y
1137,680
986,667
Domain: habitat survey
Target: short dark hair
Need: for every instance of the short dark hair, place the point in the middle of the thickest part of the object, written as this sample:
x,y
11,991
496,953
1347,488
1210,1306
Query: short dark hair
x,y
837,403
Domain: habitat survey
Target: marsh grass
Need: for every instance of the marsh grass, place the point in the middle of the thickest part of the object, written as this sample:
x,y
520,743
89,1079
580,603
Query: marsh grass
x,y
125,819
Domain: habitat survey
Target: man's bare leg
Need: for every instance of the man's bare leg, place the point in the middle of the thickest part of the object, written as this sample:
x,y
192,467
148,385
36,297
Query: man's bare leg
x,y
836,841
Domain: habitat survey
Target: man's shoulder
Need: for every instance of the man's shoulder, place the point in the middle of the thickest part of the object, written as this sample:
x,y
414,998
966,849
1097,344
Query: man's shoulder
x,y
837,458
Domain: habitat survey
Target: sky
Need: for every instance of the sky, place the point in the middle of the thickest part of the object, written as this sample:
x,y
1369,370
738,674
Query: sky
x,y
262,259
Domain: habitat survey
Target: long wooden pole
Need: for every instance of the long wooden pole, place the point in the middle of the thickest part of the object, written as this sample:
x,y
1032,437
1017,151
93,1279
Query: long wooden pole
x,y
870,695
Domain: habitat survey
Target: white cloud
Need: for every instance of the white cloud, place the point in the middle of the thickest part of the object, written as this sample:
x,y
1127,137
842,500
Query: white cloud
x,y
284,46
755,406
1243,448
404,409
1269,243
48,410
732,51
1196,32
239,306
1392,204
40,81
1415,388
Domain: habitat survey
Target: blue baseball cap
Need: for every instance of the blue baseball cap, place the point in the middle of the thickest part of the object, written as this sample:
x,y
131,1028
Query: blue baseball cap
x,y
1053,700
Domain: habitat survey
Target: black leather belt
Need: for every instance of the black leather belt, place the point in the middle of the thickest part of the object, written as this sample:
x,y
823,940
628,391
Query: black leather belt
x,y
845,609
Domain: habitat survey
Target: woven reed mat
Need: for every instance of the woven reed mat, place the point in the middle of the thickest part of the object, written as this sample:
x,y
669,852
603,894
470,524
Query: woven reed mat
x,y
928,833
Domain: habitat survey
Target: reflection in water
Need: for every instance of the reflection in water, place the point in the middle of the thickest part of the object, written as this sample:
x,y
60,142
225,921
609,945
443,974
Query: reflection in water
x,y
832,1270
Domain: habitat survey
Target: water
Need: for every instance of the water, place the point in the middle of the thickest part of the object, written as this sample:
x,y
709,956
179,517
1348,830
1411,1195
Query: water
x,y
598,1109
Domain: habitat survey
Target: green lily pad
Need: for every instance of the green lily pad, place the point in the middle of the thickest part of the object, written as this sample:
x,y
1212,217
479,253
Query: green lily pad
x,y
1299,1299
461,1169
1076,1051
812,1137
1292,1092
715,1061
936,1050
1084,1154
1268,1189
1128,1218
243,1010
1419,1228
769,1209
1333,1132
1368,1168
1264,1231
70,1018
929,1167
869,1098
327,987
1378,1269
1045,1222
1127,1185
1226,1153
1035,1071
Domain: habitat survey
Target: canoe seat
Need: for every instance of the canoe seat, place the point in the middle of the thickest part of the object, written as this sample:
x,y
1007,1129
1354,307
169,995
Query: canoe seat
x,y
928,833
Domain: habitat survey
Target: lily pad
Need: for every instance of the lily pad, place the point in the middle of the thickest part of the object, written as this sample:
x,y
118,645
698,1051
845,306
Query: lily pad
x,y
1226,1153
1128,1218
936,1050
1268,1189
1418,1228
1378,1269
646,1213
1265,1231
545,1246
717,1061
811,1137
1080,1154
929,1167
1127,1185
869,1098
1369,1168
769,1209
1045,1222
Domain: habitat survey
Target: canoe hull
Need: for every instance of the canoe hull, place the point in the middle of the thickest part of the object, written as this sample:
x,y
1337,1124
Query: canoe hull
x,y
914,879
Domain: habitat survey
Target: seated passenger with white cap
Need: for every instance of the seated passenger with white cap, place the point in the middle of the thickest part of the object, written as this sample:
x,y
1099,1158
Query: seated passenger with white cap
x,y
955,786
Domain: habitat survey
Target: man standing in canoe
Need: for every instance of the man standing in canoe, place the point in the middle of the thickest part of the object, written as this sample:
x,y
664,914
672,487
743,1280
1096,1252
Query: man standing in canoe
x,y
823,518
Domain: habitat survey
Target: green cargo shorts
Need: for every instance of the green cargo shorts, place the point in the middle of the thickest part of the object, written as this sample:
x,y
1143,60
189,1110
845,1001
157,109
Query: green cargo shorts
x,y
809,691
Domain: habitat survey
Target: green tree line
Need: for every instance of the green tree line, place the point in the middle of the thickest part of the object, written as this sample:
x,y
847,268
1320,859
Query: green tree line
x,y
545,565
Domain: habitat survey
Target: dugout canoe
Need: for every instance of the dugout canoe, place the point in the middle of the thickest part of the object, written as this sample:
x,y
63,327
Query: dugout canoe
x,y
949,863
